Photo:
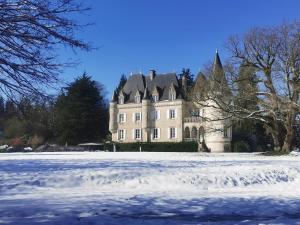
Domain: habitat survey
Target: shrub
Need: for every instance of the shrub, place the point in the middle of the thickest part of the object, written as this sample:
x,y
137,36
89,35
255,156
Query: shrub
x,y
154,147
241,146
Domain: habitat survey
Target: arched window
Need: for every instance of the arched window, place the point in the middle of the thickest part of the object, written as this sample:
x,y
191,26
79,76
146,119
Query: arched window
x,y
194,133
187,133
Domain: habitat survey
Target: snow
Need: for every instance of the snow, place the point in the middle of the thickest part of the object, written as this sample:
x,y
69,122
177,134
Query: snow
x,y
148,188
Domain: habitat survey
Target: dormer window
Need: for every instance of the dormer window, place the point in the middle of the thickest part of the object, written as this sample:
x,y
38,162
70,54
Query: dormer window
x,y
155,98
137,99
121,100
172,96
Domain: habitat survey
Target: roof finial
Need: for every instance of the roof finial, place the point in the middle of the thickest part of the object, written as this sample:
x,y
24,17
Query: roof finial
x,y
217,51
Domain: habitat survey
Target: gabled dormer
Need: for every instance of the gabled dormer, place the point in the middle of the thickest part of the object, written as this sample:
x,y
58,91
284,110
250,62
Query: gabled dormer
x,y
172,92
155,94
137,96
121,97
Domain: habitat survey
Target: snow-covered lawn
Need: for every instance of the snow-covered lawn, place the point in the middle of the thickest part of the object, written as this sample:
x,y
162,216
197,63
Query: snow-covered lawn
x,y
148,188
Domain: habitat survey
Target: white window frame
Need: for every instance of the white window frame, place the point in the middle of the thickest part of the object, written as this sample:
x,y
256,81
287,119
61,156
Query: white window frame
x,y
137,134
122,117
156,133
155,98
121,134
172,132
172,96
135,117
172,113
225,131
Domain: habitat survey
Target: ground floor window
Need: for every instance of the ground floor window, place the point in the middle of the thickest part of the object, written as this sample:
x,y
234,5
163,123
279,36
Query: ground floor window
x,y
172,132
155,133
121,134
137,134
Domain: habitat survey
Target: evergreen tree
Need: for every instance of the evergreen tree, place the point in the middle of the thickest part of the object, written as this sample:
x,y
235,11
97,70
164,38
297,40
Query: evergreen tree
x,y
189,76
122,82
81,112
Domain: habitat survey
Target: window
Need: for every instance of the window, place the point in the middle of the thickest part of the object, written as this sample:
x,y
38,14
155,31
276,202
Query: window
x,y
155,115
172,114
155,133
225,132
155,98
172,133
121,118
137,117
137,99
121,100
121,134
172,96
137,134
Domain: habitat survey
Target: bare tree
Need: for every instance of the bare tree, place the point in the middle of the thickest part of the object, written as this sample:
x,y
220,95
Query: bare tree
x,y
30,30
274,52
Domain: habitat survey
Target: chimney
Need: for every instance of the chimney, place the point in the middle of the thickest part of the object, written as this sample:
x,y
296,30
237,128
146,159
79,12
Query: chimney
x,y
152,74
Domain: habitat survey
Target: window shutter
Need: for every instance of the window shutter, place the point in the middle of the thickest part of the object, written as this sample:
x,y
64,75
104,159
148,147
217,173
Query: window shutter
x,y
158,133
125,117
124,134
175,132
118,119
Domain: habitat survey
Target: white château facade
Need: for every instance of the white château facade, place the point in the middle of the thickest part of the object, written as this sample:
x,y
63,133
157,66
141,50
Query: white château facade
x,y
154,108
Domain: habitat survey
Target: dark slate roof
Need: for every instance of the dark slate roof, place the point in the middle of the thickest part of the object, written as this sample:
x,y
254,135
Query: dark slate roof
x,y
162,82
217,62
114,97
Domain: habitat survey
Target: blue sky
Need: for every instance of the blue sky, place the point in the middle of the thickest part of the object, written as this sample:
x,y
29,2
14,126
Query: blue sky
x,y
165,35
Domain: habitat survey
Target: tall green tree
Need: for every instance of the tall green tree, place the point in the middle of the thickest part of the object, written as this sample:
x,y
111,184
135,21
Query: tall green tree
x,y
189,76
81,112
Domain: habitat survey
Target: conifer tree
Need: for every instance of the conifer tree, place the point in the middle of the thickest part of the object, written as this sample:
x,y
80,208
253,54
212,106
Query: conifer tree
x,y
81,112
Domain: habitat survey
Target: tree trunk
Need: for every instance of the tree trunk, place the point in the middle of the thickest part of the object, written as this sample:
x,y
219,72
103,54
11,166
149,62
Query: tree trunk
x,y
287,145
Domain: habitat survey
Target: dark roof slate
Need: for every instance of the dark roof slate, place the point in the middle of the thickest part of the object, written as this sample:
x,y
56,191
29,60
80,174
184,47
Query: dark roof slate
x,y
162,82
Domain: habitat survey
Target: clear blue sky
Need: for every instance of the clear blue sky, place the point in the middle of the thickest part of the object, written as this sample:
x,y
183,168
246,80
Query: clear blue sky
x,y
166,35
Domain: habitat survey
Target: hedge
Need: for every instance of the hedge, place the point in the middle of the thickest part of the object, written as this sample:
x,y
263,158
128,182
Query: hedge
x,y
154,147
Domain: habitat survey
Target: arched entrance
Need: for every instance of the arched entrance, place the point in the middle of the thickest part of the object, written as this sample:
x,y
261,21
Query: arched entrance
x,y
194,133
187,133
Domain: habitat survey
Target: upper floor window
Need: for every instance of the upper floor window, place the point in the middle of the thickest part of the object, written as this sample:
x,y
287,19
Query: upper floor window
x,y
122,117
172,114
121,100
155,115
137,117
225,131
